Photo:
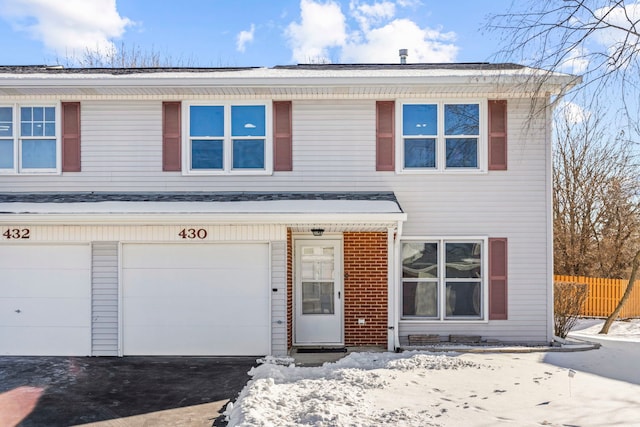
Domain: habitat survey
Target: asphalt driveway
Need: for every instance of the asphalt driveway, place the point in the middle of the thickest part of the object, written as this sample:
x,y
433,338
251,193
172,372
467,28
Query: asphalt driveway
x,y
80,390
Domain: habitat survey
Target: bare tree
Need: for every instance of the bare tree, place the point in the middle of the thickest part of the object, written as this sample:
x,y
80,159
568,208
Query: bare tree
x,y
123,56
599,39
627,293
596,215
567,302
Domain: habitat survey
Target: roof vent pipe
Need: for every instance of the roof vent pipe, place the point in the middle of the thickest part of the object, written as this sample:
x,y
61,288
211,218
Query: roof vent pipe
x,y
403,55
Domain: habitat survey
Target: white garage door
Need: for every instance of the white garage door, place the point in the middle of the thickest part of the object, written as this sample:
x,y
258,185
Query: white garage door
x,y
195,299
45,300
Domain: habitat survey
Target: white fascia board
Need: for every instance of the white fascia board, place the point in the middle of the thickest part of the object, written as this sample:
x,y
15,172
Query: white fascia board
x,y
201,218
554,82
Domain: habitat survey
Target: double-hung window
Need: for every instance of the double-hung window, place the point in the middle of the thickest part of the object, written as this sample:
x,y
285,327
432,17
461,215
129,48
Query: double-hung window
x,y
443,279
29,141
228,138
439,136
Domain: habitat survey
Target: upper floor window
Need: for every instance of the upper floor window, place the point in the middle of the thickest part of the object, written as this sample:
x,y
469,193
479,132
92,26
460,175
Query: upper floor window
x,y
441,136
228,138
29,141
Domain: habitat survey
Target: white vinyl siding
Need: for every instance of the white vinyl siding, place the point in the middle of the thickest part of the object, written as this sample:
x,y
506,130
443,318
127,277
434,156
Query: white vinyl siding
x,y
143,233
104,302
279,298
334,150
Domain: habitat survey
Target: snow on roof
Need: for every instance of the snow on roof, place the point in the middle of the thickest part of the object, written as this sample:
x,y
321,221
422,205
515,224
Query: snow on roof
x,y
189,203
255,207
324,71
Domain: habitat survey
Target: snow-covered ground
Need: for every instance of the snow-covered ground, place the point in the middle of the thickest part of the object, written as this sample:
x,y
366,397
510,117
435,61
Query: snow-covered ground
x,y
586,388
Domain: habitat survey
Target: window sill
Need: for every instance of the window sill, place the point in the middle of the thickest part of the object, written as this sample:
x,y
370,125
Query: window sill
x,y
457,171
228,173
30,173
440,321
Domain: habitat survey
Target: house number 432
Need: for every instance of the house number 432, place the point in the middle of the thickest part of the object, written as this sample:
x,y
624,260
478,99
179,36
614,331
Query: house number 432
x,y
193,233
16,233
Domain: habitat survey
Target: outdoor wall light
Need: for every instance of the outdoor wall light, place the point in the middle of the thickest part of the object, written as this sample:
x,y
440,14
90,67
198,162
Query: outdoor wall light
x,y
317,231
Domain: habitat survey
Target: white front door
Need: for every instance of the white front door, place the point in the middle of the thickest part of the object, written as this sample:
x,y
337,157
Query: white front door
x,y
318,293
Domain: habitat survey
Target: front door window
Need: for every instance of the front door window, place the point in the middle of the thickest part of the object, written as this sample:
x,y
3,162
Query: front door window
x,y
317,280
318,292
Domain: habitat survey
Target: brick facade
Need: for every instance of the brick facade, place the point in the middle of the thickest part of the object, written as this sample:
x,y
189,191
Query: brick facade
x,y
365,288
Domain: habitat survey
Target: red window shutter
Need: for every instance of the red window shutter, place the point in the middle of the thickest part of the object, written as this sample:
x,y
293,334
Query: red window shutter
x,y
498,279
385,136
282,136
171,136
70,126
497,135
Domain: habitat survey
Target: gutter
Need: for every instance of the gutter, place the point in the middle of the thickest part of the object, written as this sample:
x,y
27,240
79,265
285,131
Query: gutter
x,y
143,218
555,83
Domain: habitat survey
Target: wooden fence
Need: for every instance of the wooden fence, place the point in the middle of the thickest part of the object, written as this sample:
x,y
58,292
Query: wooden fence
x,y
604,295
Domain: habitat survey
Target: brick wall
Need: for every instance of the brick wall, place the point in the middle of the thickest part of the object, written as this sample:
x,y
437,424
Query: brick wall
x,y
365,288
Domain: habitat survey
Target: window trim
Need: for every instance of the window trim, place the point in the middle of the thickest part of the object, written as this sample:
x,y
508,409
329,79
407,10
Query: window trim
x,y
483,142
227,139
17,140
442,240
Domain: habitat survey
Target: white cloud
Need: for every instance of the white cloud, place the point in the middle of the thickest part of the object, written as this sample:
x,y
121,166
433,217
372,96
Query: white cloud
x,y
621,18
245,37
577,62
371,14
376,36
409,3
322,26
68,26
572,113
382,44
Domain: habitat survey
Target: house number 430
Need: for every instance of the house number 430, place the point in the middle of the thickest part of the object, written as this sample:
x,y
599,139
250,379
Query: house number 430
x,y
193,233
16,233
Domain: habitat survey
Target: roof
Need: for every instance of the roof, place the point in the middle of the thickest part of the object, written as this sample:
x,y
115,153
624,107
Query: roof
x,y
333,81
58,69
219,197
378,209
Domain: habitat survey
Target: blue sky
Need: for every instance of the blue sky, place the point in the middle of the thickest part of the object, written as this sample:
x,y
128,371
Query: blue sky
x,y
250,32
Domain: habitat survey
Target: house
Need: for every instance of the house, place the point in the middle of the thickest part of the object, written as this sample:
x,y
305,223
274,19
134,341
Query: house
x,y
247,211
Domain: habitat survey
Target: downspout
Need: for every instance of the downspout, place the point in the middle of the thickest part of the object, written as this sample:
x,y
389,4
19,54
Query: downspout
x,y
391,297
549,200
393,255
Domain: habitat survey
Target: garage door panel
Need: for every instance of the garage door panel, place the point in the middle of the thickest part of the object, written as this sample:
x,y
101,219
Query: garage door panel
x,y
187,256
199,341
224,314
45,299
200,299
48,257
44,283
176,283
58,341
50,312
